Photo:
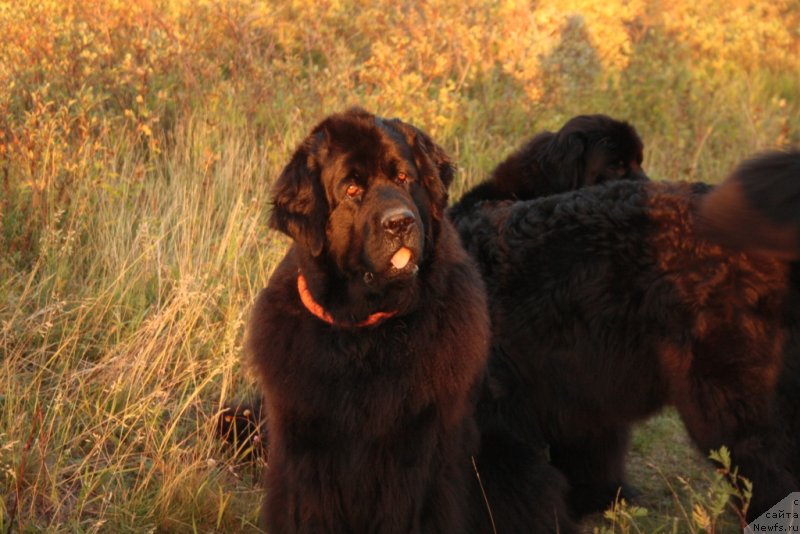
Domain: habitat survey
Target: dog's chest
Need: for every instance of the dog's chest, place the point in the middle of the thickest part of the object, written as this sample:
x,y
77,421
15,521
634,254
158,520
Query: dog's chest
x,y
364,381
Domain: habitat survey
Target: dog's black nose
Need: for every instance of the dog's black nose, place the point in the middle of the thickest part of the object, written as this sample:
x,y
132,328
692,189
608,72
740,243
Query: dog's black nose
x,y
398,221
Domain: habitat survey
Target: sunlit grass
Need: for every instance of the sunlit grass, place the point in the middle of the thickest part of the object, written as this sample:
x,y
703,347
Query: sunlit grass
x,y
123,337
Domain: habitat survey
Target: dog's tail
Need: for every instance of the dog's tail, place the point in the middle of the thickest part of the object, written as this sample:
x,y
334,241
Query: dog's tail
x,y
757,208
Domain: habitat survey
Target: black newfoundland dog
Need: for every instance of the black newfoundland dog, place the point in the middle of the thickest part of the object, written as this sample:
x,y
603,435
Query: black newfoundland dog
x,y
587,150
607,303
371,346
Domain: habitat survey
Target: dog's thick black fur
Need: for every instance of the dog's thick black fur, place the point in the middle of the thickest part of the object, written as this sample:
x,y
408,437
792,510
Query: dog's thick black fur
x,y
757,209
375,388
607,304
587,150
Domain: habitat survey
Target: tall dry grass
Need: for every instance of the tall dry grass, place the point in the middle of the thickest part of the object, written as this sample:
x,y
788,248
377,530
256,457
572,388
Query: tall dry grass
x,y
123,335
137,144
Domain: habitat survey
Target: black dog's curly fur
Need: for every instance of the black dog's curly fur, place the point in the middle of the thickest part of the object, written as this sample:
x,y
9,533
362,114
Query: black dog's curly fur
x,y
607,304
587,150
375,428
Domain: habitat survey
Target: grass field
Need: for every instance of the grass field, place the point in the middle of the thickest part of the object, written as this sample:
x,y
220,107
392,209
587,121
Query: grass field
x,y
138,141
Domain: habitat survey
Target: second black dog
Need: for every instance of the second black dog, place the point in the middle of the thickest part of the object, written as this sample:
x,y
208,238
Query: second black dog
x,y
607,303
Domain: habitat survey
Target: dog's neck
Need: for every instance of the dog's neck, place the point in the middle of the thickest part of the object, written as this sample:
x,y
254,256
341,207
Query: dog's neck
x,y
318,311
347,299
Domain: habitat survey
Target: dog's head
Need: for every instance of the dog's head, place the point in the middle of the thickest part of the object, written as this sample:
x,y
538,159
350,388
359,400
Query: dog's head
x,y
587,150
593,149
365,194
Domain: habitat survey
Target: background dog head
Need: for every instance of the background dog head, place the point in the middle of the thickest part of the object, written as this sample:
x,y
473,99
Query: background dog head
x,y
587,150
592,149
365,192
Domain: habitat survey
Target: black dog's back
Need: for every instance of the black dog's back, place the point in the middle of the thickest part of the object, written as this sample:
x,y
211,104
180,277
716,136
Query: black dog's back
x,y
565,261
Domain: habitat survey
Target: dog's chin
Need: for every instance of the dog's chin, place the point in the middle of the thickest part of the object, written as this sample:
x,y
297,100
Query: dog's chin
x,y
407,272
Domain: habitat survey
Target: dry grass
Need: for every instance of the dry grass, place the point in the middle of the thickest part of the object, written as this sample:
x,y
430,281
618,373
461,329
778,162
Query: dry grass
x,y
137,144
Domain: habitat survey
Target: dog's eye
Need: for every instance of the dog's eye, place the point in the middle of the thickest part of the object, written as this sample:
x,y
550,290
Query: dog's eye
x,y
617,165
353,191
401,177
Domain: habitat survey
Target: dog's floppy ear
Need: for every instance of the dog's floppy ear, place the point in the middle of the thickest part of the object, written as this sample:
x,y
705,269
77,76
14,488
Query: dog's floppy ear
x,y
299,205
435,166
567,157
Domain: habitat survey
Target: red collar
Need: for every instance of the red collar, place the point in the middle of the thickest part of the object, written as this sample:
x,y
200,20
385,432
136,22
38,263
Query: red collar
x,y
318,311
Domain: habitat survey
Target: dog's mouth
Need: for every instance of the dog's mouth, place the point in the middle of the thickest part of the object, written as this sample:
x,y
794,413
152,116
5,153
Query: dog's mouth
x,y
402,262
401,258
400,266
